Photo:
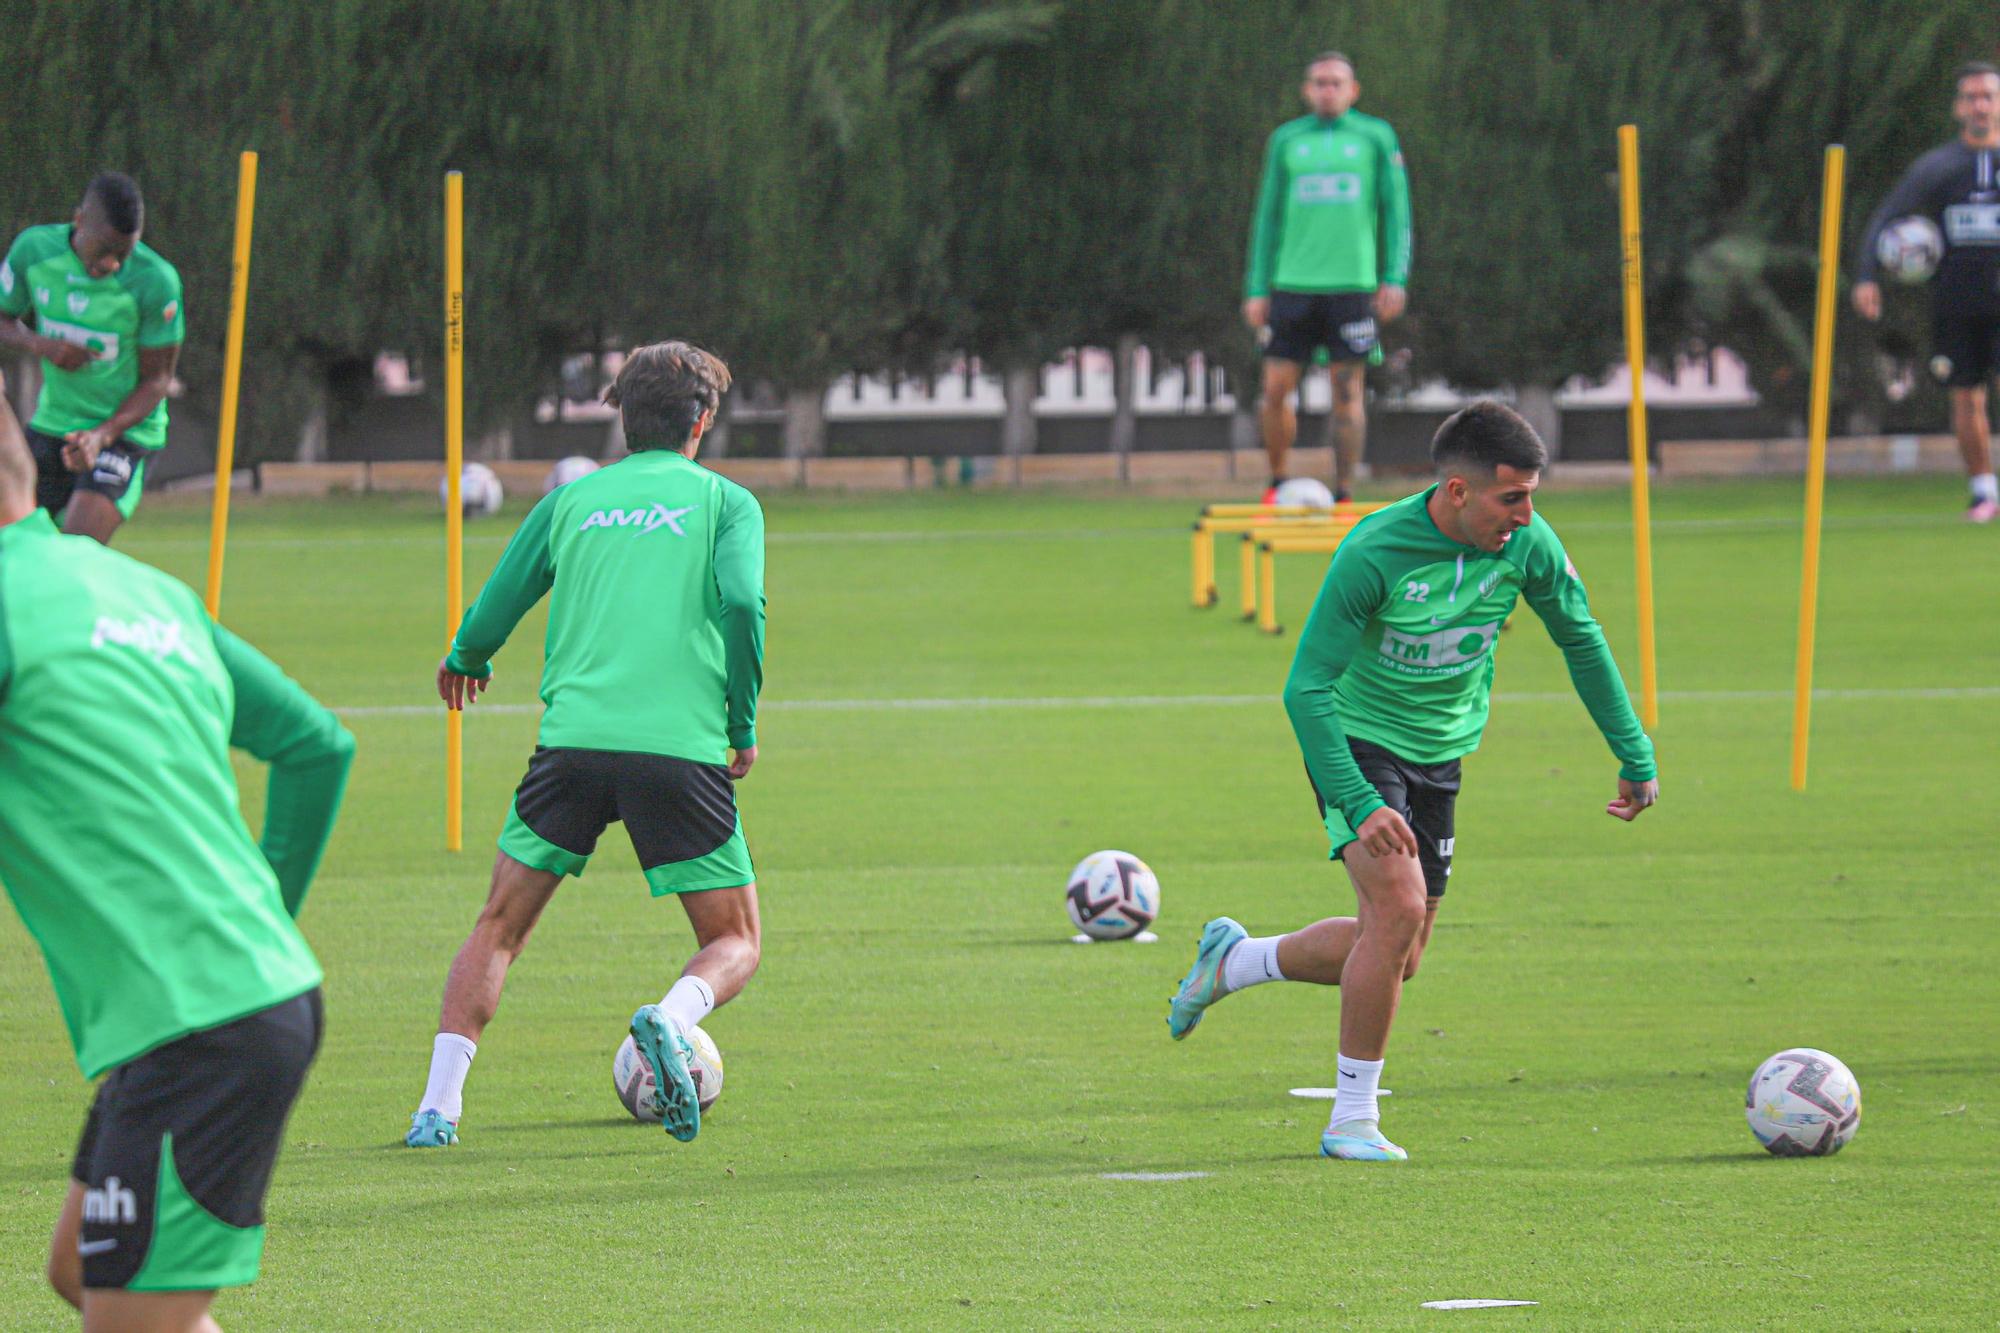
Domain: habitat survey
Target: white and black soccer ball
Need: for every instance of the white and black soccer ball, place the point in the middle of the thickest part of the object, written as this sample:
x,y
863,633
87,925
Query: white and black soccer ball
x,y
632,1077
1112,896
1803,1103
1909,248
568,470
479,491
1310,492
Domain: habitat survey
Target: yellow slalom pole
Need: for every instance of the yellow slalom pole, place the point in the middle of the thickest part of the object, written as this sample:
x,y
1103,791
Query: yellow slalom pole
x,y
1635,428
232,377
1822,392
454,514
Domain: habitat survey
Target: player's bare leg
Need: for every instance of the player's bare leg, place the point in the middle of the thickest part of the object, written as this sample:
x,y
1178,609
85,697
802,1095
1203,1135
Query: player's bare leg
x,y
728,940
513,905
1392,919
110,1311
1318,953
472,988
92,515
1975,445
1348,426
65,1262
1279,419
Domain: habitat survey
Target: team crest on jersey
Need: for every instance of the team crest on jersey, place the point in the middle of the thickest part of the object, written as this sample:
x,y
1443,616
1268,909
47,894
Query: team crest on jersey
x,y
78,302
169,310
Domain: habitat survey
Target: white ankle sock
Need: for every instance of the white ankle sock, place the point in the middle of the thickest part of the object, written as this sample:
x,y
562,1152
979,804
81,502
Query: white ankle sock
x,y
1355,1092
1986,486
451,1061
690,1001
1251,962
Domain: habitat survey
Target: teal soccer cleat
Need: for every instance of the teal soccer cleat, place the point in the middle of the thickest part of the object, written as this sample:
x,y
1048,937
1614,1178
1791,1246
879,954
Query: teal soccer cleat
x,y
429,1129
1359,1141
1198,988
664,1047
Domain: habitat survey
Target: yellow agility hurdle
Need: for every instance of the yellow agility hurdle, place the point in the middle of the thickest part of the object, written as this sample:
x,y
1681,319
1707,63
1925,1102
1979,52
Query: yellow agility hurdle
x,y
1320,532
1268,548
1216,518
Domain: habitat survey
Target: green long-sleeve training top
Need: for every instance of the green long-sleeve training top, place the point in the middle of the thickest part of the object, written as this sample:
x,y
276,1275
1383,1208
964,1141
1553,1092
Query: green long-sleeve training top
x,y
1399,649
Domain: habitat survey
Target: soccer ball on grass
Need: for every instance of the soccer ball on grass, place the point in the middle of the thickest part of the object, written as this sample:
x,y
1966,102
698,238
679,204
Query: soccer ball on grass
x,y
1112,896
479,491
566,471
632,1077
1803,1103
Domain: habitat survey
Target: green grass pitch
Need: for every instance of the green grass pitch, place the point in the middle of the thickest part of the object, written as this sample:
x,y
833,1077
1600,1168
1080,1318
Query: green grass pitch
x,y
926,1082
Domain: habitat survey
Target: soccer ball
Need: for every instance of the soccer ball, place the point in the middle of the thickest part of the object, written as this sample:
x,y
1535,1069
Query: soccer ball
x,y
1112,896
479,491
566,471
1308,491
632,1077
1803,1103
1910,248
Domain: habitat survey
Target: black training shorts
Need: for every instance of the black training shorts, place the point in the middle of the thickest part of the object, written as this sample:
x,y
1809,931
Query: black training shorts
x,y
117,476
1425,795
178,1148
1965,348
680,815
1303,322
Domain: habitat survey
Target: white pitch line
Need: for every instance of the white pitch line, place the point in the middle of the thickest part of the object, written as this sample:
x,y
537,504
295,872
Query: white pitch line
x,y
1152,1175
974,703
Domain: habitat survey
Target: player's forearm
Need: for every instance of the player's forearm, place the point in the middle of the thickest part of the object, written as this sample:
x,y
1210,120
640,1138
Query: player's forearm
x,y
1398,243
300,806
17,335
523,575
1323,742
743,662
1598,683
1263,248
138,405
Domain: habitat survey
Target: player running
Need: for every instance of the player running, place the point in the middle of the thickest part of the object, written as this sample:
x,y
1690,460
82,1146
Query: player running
x,y
168,933
108,328
1957,186
1319,272
653,663
1388,691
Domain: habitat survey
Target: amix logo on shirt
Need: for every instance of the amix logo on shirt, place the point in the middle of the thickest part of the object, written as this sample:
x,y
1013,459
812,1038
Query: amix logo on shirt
x,y
643,519
159,639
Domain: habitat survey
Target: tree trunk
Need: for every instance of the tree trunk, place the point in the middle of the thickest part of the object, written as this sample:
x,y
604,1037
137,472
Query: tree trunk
x,y
1537,403
805,423
495,445
1125,413
313,433
1021,385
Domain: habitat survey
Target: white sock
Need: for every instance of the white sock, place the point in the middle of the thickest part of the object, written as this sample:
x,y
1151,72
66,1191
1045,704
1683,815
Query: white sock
x,y
451,1061
1986,487
690,1001
1250,963
1354,1093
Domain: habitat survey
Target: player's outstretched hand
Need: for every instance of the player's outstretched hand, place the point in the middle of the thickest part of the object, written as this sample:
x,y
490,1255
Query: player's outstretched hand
x,y
1632,798
457,691
1385,834
1868,300
740,761
1257,312
81,447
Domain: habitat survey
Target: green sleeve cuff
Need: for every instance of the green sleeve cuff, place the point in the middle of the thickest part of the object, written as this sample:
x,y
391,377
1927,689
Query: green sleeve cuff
x,y
1639,770
459,663
1366,808
744,739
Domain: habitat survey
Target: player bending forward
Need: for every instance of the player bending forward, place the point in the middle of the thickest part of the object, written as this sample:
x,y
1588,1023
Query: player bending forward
x,y
1389,689
168,932
654,658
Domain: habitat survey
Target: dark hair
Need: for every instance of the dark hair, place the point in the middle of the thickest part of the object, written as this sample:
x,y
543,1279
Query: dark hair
x,y
1324,57
1488,436
118,196
1973,69
662,390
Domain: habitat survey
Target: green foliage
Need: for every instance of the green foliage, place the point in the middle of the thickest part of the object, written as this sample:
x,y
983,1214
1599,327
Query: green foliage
x,y
881,183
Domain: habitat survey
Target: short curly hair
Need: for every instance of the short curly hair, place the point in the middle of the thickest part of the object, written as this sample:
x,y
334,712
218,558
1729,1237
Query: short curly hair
x,y
1487,436
663,389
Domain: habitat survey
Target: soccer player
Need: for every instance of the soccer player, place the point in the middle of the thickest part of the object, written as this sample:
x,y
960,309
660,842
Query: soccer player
x,y
1957,186
653,663
108,328
1388,691
1329,251
168,933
